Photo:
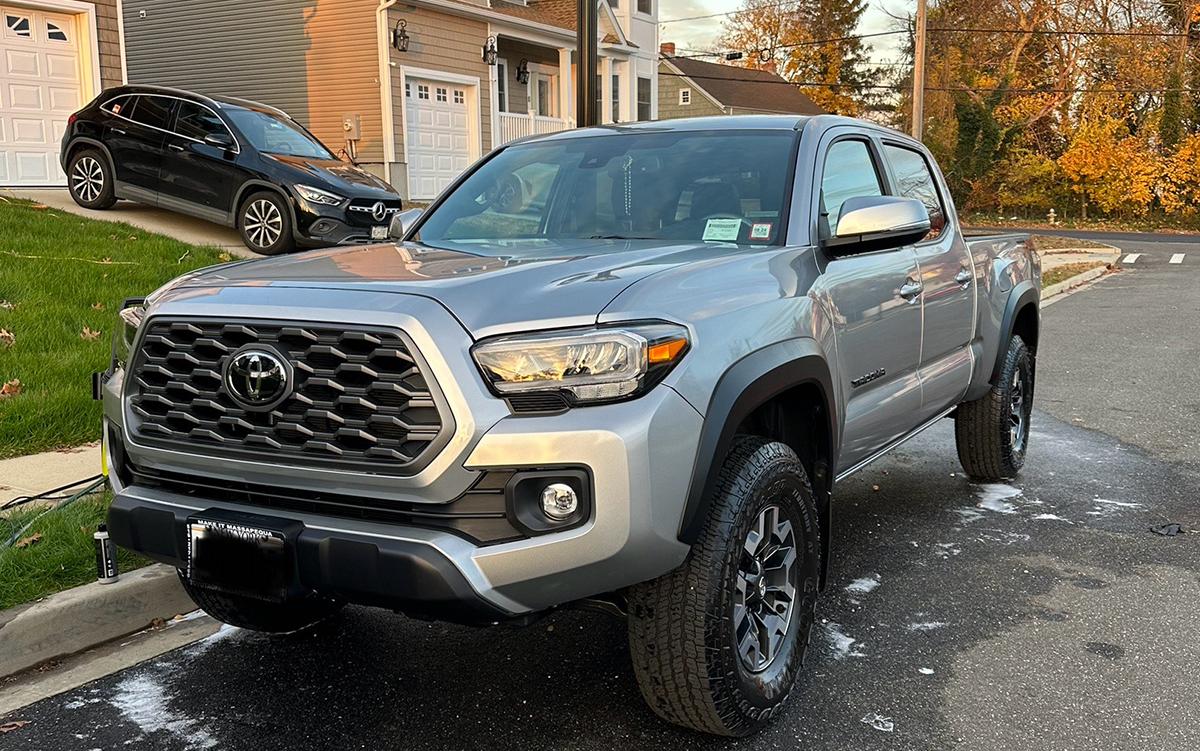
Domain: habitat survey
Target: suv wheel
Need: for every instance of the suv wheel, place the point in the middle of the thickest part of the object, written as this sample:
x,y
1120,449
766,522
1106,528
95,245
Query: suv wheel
x,y
266,224
992,432
90,180
260,615
717,643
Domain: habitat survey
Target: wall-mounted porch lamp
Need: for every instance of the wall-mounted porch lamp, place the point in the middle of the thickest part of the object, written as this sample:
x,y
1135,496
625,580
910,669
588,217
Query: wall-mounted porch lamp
x,y
489,51
523,72
400,36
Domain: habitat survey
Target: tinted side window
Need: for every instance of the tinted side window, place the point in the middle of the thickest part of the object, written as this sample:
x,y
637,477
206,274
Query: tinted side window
x,y
119,106
914,179
154,111
197,121
849,172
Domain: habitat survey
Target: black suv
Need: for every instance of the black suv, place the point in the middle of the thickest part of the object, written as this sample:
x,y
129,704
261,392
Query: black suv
x,y
230,161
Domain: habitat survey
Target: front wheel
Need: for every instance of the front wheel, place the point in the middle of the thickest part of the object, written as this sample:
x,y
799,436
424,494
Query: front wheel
x,y
717,643
265,223
992,432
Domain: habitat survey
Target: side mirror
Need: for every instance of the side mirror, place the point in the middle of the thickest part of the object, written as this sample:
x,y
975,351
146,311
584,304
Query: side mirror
x,y
402,222
878,222
219,140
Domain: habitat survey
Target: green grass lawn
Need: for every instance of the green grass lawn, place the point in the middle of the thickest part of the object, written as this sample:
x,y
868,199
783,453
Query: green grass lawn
x,y
64,556
63,277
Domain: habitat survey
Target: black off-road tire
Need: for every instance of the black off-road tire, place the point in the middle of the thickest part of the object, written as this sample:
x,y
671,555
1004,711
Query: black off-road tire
x,y
90,180
264,220
983,429
681,625
260,615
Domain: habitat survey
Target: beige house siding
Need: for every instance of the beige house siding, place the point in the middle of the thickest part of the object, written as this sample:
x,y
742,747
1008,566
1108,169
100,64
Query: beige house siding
x,y
445,43
109,42
513,52
669,107
316,59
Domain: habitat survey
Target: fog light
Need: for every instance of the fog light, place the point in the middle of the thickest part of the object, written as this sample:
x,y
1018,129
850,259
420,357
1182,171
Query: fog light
x,y
559,501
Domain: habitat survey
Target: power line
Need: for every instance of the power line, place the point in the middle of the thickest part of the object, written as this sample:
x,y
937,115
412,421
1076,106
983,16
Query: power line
x,y
792,45
1059,32
767,6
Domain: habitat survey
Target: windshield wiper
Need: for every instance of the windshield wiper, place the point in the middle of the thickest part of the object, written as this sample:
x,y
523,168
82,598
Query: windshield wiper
x,y
620,237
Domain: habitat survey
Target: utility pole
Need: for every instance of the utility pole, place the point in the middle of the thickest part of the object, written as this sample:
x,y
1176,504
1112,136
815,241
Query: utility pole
x,y
587,93
918,96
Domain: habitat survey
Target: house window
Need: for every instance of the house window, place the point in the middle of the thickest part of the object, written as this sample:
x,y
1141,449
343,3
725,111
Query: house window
x,y
645,6
502,85
422,91
441,94
616,95
18,25
407,90
55,33
614,3
544,91
685,96
643,99
459,96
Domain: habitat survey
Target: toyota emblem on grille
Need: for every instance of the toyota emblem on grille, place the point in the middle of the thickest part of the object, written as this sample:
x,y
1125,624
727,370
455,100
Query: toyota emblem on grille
x,y
256,378
379,211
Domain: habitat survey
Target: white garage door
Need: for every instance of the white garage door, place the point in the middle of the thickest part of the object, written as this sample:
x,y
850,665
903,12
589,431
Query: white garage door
x,y
437,124
39,89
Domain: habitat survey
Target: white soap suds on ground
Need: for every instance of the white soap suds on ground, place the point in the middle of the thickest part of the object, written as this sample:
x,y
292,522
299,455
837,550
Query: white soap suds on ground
x,y
864,584
1122,504
927,626
968,515
144,701
925,671
995,497
211,640
946,549
1051,518
879,722
842,644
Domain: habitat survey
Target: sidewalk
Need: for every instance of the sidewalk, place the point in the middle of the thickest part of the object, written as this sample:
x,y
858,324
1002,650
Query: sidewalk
x,y
184,228
37,473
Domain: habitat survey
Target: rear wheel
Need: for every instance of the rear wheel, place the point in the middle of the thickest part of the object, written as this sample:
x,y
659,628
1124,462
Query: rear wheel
x,y
992,432
717,643
90,180
260,615
266,224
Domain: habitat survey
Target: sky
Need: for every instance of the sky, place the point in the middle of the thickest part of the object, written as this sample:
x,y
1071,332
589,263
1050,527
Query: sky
x,y
701,33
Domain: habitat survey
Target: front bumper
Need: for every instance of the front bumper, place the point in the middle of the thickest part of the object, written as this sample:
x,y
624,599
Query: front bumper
x,y
319,226
639,455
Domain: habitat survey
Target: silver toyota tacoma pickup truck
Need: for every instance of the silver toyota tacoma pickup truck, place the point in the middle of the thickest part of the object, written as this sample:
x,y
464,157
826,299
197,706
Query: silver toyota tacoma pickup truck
x,y
619,367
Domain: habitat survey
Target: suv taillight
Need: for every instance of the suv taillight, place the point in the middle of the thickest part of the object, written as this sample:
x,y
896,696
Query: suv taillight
x,y
71,120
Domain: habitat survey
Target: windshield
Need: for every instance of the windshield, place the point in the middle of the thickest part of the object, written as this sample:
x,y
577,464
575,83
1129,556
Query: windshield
x,y
726,187
276,135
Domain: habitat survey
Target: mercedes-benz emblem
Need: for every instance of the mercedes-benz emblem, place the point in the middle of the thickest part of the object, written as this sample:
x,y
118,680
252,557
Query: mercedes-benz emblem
x,y
256,378
379,211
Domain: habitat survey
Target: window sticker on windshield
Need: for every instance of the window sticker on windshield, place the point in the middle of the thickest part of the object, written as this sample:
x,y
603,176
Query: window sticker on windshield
x,y
725,230
760,231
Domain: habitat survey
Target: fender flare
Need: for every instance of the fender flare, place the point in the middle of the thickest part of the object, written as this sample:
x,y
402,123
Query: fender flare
x,y
89,141
1023,295
254,185
747,385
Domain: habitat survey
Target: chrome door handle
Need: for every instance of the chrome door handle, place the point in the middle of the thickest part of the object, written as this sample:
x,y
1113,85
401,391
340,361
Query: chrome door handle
x,y
175,147
963,277
910,289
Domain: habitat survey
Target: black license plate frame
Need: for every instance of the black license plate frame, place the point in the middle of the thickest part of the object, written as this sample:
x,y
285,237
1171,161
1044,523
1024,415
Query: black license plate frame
x,y
244,554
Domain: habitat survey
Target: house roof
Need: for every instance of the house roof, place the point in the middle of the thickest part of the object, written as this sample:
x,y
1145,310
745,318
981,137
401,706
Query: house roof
x,y
734,86
560,13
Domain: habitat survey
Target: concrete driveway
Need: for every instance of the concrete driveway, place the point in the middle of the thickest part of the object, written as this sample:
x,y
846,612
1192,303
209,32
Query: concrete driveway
x,y
184,228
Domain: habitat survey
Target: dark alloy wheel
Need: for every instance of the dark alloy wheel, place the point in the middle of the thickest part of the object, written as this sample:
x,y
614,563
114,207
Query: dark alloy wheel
x,y
266,224
992,432
90,181
718,642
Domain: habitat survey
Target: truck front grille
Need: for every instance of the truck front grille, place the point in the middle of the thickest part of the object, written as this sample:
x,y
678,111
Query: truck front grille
x,y
358,398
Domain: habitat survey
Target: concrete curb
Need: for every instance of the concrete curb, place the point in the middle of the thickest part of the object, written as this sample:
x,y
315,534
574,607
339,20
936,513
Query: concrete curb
x,y
83,617
1066,285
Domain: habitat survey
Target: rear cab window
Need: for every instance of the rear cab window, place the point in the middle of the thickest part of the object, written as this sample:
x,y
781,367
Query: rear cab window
x,y
914,179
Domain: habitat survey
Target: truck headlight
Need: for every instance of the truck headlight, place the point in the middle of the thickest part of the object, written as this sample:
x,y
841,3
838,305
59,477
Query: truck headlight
x,y
590,365
316,195
128,322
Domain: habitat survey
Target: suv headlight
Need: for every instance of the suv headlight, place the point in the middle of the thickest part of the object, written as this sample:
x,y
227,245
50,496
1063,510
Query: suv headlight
x,y
316,195
128,322
590,365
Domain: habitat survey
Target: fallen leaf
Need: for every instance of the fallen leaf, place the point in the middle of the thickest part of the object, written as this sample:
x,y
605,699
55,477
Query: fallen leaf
x,y
8,727
10,388
39,207
7,338
133,237
33,539
89,334
6,305
224,257
97,306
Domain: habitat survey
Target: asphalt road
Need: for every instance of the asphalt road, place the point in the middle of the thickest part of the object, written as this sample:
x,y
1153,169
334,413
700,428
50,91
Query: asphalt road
x,y
1037,615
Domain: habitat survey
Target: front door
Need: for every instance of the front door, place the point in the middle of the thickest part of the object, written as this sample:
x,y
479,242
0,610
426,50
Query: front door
x,y
135,139
196,177
876,317
948,295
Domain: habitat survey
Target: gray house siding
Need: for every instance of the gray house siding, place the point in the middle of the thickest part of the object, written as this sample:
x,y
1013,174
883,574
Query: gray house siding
x,y
315,59
669,108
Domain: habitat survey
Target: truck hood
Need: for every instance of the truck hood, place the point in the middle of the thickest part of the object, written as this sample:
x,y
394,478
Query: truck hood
x,y
561,285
